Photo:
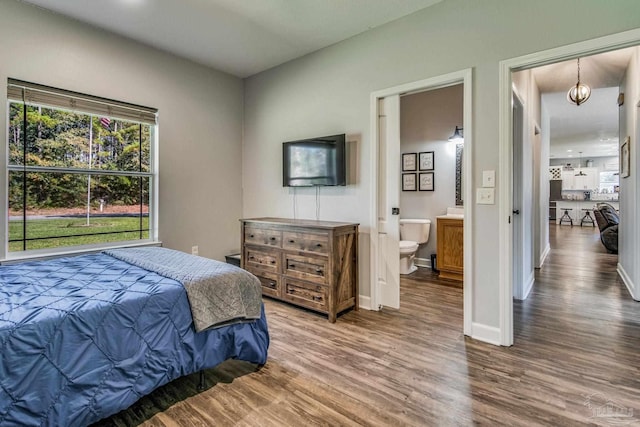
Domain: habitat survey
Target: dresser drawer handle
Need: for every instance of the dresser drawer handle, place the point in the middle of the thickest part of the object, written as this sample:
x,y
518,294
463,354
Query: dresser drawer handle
x,y
319,245
273,261
292,241
273,239
252,257
251,235
292,266
272,284
319,270
317,298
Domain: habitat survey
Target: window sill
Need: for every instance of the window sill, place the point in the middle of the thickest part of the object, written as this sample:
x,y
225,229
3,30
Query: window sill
x,y
49,254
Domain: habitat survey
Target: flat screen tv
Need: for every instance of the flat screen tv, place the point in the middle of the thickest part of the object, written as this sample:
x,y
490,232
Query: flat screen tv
x,y
314,162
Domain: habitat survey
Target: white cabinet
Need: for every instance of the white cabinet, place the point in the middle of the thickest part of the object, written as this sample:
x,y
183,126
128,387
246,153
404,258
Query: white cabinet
x,y
567,180
589,181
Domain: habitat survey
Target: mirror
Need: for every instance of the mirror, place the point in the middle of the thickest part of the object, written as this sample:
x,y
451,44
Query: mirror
x,y
459,201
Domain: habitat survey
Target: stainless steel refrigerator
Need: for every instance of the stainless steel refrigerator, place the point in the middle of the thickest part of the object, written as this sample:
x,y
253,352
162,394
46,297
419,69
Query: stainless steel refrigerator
x,y
555,193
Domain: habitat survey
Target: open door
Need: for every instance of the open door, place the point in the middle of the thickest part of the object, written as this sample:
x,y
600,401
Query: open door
x,y
518,226
389,202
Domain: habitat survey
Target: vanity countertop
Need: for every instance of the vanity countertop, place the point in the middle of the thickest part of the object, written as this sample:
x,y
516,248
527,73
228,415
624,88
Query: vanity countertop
x,y
451,216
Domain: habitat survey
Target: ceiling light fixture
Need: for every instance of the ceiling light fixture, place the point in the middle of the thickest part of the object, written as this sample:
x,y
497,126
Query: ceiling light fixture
x,y
579,93
457,136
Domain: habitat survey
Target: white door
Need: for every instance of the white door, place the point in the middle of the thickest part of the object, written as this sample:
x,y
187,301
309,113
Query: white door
x,y
389,202
518,226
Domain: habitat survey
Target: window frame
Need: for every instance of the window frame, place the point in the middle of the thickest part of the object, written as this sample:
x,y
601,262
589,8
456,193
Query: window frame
x,y
151,175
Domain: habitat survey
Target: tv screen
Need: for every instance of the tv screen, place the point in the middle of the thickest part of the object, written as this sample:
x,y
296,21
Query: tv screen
x,y
314,162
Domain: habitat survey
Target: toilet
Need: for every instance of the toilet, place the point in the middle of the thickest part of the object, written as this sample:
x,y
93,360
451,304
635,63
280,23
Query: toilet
x,y
413,232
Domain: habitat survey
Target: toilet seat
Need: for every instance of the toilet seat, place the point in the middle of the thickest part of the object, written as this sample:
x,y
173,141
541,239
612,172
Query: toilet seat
x,y
408,246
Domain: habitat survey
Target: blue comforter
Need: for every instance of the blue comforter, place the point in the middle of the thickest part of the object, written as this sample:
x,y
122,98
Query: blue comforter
x,y
82,338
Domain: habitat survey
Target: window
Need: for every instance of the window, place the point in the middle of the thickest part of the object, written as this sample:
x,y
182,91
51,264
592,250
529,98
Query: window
x,y
608,182
80,170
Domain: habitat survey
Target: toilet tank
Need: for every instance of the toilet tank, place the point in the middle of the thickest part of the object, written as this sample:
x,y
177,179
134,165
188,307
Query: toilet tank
x,y
416,230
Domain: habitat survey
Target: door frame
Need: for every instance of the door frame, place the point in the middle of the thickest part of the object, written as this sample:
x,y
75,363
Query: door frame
x,y
550,56
464,77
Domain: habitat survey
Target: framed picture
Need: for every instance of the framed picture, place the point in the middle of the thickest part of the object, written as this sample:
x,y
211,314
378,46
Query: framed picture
x,y
408,182
625,158
409,161
426,181
426,161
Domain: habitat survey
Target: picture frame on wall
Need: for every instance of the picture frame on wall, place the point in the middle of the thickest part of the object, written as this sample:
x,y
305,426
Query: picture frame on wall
x,y
625,158
409,161
426,181
409,182
426,161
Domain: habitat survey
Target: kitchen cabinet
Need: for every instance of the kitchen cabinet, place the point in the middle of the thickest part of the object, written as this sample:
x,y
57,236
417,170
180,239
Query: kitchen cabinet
x,y
589,181
567,180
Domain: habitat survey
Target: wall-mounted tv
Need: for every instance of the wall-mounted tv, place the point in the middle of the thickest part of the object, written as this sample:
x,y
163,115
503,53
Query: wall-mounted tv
x,y
314,162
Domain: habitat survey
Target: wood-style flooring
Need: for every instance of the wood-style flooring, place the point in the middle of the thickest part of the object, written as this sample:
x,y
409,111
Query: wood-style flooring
x,y
575,361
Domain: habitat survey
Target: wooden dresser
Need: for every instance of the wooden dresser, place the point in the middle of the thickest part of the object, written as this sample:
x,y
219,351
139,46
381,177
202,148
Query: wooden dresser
x,y
450,245
313,264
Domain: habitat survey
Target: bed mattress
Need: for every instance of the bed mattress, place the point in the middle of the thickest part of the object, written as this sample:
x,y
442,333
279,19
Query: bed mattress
x,y
84,337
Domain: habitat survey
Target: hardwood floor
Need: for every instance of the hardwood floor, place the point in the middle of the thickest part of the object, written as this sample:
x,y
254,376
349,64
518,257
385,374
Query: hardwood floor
x,y
577,350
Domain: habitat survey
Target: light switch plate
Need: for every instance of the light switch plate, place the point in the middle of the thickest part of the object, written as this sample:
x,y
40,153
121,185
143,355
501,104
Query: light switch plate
x,y
488,178
485,196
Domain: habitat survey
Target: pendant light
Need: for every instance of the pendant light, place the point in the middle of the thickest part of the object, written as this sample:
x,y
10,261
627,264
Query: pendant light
x,y
579,93
580,173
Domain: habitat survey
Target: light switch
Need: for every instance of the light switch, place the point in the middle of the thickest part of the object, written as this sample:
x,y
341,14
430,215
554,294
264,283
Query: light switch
x,y
485,196
488,178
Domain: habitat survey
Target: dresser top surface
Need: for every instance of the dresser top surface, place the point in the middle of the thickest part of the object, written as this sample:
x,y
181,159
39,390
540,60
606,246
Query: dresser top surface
x,y
300,222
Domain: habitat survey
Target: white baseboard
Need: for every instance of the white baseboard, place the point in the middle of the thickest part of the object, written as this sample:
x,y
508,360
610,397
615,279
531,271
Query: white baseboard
x,y
484,333
529,285
422,262
543,257
364,302
627,282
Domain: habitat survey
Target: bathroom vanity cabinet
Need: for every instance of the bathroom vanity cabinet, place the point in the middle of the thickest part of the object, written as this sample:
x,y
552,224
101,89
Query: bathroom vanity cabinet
x,y
450,247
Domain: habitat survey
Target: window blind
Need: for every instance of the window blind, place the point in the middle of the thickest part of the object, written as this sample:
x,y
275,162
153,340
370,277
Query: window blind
x,y
36,94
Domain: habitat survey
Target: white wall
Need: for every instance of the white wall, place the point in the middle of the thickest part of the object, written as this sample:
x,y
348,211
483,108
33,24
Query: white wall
x,y
628,238
328,92
200,115
427,120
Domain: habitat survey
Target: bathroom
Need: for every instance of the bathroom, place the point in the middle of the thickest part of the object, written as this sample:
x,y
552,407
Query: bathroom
x,y
431,150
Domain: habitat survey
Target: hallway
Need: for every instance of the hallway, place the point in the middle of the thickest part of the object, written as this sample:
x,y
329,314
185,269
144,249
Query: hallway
x,y
580,328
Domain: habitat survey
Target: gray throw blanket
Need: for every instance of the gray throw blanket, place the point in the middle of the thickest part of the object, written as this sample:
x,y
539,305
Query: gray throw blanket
x,y
218,293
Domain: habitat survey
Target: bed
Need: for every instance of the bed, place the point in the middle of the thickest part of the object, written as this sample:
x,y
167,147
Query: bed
x,y
84,337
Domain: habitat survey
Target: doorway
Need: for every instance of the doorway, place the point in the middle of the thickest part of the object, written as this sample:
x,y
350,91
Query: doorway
x,y
385,179
507,256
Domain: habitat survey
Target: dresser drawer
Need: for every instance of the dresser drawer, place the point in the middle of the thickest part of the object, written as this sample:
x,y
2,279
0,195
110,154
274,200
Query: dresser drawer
x,y
262,236
263,260
314,269
306,294
307,242
269,281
